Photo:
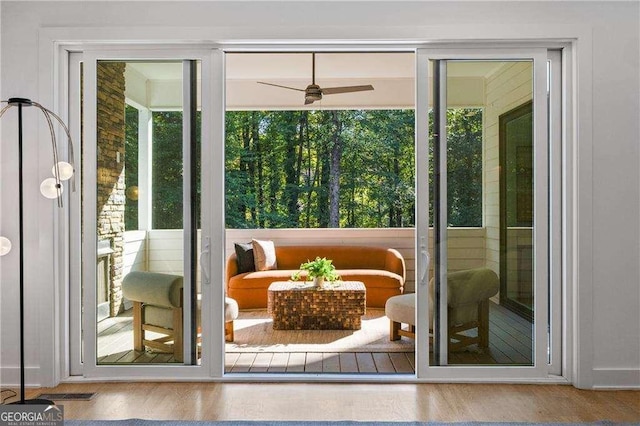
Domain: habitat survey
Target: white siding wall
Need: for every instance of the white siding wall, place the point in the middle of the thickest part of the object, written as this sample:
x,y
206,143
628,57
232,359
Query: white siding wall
x,y
165,251
135,251
506,88
466,245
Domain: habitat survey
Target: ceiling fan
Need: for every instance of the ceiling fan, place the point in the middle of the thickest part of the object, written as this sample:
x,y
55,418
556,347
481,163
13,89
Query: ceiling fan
x,y
313,92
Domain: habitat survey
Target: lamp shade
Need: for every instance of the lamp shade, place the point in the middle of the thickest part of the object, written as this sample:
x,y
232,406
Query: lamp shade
x,y
5,246
49,188
64,169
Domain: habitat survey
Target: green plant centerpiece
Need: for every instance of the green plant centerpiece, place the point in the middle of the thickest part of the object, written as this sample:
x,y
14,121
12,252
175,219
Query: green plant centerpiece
x,y
318,271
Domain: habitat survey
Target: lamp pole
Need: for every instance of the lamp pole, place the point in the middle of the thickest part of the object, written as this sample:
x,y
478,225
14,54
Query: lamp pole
x,y
21,102
21,236
50,188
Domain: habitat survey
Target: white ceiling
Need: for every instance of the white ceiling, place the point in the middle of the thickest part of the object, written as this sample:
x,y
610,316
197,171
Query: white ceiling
x,y
263,66
391,74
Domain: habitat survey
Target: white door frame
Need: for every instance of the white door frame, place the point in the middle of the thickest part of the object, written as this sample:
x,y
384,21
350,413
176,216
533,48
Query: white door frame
x,y
74,318
216,365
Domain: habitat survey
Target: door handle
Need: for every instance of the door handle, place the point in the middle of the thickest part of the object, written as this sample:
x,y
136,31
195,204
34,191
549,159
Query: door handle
x,y
205,268
425,267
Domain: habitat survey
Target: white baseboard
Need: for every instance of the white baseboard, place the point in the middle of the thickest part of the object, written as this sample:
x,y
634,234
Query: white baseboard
x,y
616,378
10,377
603,378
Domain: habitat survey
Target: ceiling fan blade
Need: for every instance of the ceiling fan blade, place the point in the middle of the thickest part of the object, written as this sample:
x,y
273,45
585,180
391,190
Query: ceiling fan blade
x,y
346,89
283,87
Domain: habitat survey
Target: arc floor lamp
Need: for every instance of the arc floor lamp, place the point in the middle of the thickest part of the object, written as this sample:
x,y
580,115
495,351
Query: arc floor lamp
x,y
51,188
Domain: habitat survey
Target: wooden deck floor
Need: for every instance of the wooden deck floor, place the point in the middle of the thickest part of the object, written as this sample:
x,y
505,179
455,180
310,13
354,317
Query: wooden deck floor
x,y
510,343
320,362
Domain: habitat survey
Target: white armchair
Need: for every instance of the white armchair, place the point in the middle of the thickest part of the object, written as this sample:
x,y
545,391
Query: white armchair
x,y
468,296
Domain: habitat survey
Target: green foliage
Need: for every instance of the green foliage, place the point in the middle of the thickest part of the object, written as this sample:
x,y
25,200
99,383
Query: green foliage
x,y
167,170
167,180
287,169
131,166
320,267
464,166
311,169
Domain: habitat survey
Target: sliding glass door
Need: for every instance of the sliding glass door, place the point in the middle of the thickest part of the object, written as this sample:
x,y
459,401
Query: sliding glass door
x,y
487,173
146,210
485,256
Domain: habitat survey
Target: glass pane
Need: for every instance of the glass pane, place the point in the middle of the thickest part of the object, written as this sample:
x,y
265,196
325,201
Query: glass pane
x,y
140,182
489,263
517,207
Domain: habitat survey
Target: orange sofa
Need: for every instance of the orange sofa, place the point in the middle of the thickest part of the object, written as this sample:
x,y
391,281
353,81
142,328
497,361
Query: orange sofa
x,y
382,270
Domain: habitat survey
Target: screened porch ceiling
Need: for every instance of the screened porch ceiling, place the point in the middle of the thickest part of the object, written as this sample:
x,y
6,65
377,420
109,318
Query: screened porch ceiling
x,y
158,85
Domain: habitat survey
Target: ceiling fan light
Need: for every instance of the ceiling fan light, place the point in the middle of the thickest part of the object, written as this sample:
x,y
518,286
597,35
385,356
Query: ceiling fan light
x,y
312,97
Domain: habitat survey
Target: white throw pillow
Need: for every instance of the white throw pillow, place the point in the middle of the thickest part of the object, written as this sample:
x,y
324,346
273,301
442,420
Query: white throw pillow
x,y
264,255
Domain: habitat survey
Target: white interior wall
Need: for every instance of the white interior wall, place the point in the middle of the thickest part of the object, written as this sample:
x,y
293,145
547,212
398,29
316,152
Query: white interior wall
x,y
607,150
616,240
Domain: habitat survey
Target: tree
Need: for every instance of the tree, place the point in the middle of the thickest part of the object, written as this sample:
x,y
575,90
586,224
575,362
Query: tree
x,y
334,171
167,170
351,168
464,166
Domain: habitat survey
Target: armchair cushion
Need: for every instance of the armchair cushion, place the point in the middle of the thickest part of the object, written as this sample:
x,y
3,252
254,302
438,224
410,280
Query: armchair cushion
x,y
402,308
230,309
466,290
153,288
471,286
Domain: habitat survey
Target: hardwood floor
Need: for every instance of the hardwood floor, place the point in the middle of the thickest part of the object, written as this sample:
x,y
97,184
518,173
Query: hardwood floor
x,y
363,402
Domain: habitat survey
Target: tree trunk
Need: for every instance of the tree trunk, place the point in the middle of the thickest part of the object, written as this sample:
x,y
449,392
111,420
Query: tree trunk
x,y
321,180
304,136
310,182
255,135
334,172
249,164
397,220
292,163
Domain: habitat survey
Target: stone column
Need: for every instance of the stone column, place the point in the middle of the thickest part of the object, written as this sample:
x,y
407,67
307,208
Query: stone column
x,y
110,164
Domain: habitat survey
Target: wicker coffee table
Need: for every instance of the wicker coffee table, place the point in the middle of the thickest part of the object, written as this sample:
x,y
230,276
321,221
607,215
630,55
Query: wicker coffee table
x,y
299,306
